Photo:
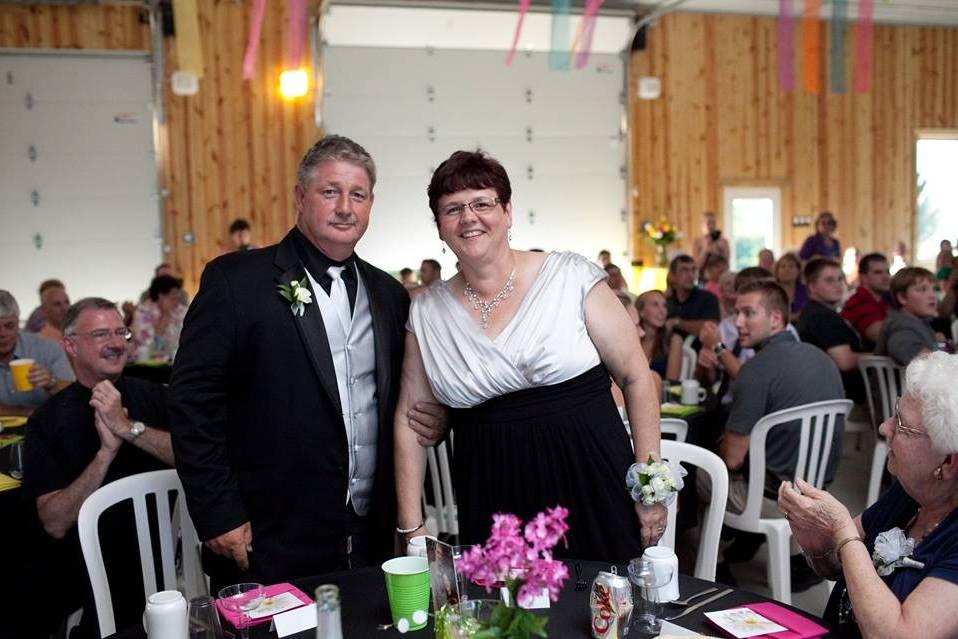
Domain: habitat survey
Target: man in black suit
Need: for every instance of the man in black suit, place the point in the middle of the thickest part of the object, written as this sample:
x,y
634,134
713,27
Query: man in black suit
x,y
284,388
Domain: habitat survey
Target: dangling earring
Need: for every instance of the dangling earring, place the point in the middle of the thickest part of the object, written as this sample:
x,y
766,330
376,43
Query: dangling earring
x,y
510,235
443,245
939,473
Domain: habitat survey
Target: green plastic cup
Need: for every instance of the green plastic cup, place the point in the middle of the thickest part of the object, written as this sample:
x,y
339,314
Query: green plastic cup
x,y
407,586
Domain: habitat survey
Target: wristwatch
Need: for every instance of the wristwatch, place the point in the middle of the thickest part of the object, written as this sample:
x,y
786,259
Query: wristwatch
x,y
719,348
136,429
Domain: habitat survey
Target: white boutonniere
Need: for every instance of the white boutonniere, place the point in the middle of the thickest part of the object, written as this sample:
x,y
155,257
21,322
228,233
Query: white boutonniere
x,y
651,482
297,294
893,550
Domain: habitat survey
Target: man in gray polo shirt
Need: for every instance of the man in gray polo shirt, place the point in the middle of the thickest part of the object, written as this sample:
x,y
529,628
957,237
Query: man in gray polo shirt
x,y
50,373
784,373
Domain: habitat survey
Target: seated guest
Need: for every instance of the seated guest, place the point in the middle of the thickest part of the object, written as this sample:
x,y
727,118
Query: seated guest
x,y
822,326
784,373
913,596
766,260
715,266
603,258
726,294
662,349
906,332
946,307
54,303
99,429
241,235
822,243
616,282
943,260
49,374
867,307
38,318
657,377
689,307
788,274
407,277
430,272
158,321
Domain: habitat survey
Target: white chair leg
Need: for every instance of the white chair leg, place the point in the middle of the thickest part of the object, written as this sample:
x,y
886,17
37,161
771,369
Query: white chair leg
x,y
779,568
879,455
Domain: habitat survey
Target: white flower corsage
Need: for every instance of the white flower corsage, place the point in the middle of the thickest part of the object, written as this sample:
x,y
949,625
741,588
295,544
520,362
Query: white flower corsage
x,y
297,294
893,550
653,482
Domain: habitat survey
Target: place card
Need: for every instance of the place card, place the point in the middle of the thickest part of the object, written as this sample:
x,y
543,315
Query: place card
x,y
296,620
276,604
743,622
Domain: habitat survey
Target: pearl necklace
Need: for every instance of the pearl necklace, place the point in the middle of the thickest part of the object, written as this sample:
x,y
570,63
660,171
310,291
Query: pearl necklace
x,y
485,308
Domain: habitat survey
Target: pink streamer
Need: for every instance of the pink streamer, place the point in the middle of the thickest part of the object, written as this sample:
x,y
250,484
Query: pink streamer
x,y
523,10
786,46
585,48
296,34
863,46
256,25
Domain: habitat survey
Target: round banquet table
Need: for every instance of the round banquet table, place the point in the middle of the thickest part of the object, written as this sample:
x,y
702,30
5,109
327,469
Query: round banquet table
x,y
364,606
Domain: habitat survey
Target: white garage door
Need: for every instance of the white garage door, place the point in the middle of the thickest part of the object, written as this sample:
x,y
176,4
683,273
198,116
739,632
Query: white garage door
x,y
77,174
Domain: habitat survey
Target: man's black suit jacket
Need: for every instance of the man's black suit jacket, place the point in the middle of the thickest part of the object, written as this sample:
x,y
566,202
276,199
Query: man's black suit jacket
x,y
257,427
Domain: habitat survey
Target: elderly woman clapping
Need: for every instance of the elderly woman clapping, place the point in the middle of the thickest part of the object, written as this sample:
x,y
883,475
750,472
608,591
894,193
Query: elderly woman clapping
x,y
896,563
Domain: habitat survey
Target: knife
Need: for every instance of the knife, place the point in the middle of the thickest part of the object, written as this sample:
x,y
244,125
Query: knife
x,y
699,605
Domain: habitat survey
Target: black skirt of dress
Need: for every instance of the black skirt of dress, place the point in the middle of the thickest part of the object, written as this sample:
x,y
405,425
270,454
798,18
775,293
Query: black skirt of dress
x,y
541,447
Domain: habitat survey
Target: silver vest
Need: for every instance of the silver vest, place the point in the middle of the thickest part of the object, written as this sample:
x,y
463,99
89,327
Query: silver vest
x,y
354,357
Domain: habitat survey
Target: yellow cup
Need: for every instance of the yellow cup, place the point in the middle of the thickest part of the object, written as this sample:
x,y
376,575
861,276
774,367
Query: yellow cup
x,y
19,369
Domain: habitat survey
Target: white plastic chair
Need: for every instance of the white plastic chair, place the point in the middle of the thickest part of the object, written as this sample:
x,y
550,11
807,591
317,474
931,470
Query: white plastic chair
x,y
674,426
709,462
136,487
689,359
441,516
818,423
884,380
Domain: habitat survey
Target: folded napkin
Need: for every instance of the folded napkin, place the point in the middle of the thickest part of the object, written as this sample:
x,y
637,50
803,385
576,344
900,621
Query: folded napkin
x,y
270,591
799,627
7,482
679,410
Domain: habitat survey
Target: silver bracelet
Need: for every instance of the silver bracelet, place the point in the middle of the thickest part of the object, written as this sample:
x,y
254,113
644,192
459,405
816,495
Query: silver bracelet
x,y
406,531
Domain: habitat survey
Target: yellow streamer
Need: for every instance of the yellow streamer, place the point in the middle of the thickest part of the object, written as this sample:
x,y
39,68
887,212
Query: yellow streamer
x,y
189,50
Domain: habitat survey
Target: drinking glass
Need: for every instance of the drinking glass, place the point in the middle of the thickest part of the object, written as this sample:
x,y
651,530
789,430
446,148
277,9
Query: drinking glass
x,y
16,460
204,620
242,598
649,578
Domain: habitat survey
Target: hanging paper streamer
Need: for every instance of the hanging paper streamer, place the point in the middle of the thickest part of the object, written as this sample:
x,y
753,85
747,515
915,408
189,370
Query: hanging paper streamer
x,y
786,46
559,54
296,35
863,46
583,39
252,44
836,72
812,52
189,50
523,10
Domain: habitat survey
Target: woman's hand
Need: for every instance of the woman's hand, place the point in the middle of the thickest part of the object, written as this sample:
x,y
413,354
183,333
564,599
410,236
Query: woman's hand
x,y
652,520
818,520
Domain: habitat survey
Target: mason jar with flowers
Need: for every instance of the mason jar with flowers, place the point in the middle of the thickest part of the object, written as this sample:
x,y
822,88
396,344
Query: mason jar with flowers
x,y
661,234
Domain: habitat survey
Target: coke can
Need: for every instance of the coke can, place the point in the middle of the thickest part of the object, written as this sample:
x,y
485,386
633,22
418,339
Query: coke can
x,y
611,605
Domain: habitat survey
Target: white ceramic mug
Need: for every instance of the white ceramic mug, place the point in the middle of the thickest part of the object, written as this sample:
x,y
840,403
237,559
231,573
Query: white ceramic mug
x,y
661,556
417,546
165,615
692,393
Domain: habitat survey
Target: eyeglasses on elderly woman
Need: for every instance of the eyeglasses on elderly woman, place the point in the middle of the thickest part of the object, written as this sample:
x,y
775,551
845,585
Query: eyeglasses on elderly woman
x,y
900,427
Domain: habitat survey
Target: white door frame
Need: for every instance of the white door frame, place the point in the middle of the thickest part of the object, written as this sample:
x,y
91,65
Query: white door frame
x,y
773,193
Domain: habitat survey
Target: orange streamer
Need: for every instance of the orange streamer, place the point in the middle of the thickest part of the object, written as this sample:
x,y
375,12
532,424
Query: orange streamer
x,y
811,46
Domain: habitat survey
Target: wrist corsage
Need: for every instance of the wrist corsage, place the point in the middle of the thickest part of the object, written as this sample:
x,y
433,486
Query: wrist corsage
x,y
655,482
893,550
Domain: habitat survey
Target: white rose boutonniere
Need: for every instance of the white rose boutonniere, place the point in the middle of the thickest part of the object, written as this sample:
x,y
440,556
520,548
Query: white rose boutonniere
x,y
297,294
893,549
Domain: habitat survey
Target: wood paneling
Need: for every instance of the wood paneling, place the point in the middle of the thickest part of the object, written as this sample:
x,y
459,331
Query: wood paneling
x,y
229,151
722,120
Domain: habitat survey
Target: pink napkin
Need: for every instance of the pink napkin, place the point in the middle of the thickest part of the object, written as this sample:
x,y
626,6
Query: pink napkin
x,y
270,591
799,627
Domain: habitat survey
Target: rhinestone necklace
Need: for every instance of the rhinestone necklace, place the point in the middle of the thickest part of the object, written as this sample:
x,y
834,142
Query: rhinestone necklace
x,y
485,308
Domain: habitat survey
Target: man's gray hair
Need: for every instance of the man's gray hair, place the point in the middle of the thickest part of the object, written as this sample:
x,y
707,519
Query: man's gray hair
x,y
8,305
86,304
929,379
335,148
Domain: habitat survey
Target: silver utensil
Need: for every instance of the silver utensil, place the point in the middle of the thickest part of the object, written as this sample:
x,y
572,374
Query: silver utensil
x,y
699,605
688,600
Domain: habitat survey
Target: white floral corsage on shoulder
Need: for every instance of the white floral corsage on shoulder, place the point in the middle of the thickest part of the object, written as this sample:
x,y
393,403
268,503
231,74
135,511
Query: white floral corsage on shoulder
x,y
893,550
297,294
653,482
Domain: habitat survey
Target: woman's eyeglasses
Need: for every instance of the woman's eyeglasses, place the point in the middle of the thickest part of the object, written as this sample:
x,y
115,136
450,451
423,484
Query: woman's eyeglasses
x,y
478,206
899,427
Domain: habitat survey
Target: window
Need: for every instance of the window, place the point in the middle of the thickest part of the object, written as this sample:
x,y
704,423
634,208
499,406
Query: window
x,y
752,222
936,158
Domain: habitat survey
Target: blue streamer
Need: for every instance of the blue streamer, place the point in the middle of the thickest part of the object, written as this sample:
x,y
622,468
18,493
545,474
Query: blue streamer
x,y
559,53
836,72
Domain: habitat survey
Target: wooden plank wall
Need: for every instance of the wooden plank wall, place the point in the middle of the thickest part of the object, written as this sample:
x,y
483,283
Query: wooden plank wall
x,y
229,151
722,120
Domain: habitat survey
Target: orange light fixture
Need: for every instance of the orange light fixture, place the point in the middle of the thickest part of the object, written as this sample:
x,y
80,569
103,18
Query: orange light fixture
x,y
293,83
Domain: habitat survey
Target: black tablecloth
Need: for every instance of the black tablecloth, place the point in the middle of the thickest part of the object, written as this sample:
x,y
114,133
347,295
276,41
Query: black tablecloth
x,y
364,606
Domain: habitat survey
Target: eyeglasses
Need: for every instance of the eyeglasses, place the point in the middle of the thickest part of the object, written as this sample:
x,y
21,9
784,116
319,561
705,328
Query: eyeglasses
x,y
478,206
103,334
901,428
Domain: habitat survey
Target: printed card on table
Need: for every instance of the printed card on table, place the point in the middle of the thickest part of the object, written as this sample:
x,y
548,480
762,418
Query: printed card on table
x,y
743,622
443,585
